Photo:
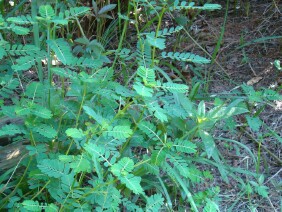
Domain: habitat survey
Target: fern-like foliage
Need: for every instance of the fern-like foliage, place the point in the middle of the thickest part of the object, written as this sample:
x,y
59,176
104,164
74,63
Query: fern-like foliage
x,y
177,5
31,205
53,168
100,153
21,20
11,130
76,12
46,11
187,57
154,203
8,84
148,75
62,50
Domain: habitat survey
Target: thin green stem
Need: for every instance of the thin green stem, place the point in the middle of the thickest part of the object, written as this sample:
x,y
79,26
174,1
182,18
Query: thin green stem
x,y
36,38
78,115
122,36
157,31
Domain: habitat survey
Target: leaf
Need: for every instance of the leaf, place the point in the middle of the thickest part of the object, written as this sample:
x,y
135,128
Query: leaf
x,y
143,90
100,153
31,205
107,8
254,123
122,167
24,63
147,74
187,57
132,182
160,114
46,11
41,111
76,12
262,190
21,20
208,141
158,156
46,131
184,146
180,164
3,53
53,168
65,72
62,50
175,88
78,163
89,111
20,30
277,65
75,133
120,132
156,42
211,206
154,203
11,130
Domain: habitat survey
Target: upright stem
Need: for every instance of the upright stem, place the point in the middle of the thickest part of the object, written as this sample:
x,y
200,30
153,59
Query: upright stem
x,y
122,35
36,37
49,62
157,31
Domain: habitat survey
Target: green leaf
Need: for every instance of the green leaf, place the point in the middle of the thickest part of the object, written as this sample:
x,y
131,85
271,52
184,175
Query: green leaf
x,y
147,74
24,63
154,203
277,65
20,30
101,153
46,131
208,141
175,88
3,53
158,156
62,50
184,146
41,111
89,111
11,130
186,57
31,205
143,90
75,133
122,167
76,12
65,72
254,123
180,164
262,190
78,163
132,182
21,20
46,11
120,132
53,168
211,206
156,42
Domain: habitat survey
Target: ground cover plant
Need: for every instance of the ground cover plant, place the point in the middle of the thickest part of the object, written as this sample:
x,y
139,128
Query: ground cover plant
x,y
94,95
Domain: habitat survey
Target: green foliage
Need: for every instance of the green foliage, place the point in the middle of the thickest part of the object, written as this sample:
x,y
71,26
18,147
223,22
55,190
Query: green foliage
x,y
103,140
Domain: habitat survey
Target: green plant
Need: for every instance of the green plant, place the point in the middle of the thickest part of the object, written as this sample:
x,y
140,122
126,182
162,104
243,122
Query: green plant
x,y
98,140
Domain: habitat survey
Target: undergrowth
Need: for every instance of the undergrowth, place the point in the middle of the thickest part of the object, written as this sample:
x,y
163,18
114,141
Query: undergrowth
x,y
108,129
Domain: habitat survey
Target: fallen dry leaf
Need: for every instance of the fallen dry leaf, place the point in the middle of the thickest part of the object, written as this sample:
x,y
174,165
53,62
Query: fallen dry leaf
x,y
254,80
